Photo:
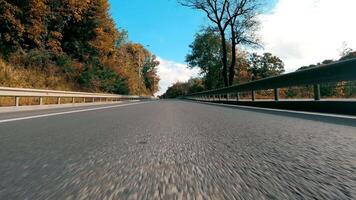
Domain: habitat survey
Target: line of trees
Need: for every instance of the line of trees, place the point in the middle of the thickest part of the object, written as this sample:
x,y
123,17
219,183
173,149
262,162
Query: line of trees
x,y
75,40
206,53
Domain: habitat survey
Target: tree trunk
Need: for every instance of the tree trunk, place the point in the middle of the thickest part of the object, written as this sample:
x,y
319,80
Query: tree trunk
x,y
233,64
224,58
233,56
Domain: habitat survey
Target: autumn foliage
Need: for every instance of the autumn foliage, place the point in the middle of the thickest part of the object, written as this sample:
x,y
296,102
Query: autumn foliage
x,y
76,41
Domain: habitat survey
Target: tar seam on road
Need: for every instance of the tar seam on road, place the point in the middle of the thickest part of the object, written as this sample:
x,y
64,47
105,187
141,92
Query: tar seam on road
x,y
68,112
285,111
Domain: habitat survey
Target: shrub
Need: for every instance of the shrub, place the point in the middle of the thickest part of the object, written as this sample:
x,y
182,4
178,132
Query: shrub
x,y
35,59
98,78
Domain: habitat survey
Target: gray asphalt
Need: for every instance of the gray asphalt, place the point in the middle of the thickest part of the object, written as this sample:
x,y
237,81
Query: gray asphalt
x,y
178,150
43,111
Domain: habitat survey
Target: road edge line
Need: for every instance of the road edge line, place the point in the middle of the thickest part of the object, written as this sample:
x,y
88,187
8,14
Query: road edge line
x,y
69,112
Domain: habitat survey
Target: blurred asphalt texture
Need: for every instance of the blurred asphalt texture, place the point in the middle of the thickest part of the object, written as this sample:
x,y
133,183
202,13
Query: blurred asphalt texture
x,y
177,150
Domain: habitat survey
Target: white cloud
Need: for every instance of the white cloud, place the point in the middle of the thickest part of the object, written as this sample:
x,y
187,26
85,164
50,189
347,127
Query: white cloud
x,y
303,32
171,72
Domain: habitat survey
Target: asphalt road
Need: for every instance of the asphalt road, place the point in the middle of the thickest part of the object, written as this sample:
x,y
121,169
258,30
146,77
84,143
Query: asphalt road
x,y
177,150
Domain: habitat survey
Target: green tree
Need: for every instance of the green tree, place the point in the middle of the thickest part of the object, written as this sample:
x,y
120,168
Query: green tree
x,y
205,54
97,77
181,89
266,65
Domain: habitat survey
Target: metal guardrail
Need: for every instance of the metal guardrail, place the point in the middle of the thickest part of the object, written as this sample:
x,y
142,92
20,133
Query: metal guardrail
x,y
17,93
334,72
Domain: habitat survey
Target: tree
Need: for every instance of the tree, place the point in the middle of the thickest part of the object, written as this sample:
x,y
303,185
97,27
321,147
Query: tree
x,y
93,33
243,28
96,77
242,68
122,38
216,12
181,89
149,73
140,66
205,54
195,85
265,66
36,13
349,55
345,49
65,19
11,26
224,14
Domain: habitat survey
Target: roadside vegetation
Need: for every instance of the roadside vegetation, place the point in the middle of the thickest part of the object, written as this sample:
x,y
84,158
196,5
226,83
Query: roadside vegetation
x,y
71,45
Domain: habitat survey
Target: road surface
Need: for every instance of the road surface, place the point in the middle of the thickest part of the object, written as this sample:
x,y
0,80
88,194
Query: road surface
x,y
176,150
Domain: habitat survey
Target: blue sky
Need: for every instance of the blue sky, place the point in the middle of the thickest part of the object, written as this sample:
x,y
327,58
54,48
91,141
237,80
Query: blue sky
x,y
167,27
164,25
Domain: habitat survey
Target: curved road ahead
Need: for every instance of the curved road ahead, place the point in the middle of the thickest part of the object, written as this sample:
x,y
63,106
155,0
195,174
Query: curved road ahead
x,y
176,150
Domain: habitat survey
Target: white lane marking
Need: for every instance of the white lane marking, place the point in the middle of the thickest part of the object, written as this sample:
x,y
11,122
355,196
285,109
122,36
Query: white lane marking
x,y
68,112
287,111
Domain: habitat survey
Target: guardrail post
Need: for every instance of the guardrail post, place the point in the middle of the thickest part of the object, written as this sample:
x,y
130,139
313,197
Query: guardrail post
x,y
276,94
58,100
219,97
237,96
317,92
84,100
93,100
253,94
41,101
17,101
227,97
73,100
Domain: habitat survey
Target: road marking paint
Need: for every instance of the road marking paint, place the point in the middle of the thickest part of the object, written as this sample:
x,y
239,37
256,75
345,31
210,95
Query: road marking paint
x,y
286,111
68,112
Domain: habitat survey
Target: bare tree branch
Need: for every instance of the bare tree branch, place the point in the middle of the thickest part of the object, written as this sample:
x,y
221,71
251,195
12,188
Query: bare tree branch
x,y
239,17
